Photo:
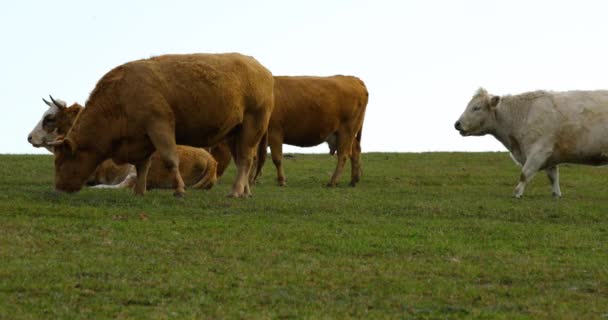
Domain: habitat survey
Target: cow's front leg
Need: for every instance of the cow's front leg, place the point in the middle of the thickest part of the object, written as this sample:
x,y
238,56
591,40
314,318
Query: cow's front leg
x,y
530,168
142,169
553,174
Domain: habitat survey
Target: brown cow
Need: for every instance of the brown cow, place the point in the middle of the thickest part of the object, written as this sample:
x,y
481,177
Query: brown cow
x,y
196,166
152,104
309,111
312,110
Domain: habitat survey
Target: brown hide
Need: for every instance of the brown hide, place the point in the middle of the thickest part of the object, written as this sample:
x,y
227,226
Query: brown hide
x,y
196,166
65,118
221,154
309,111
196,99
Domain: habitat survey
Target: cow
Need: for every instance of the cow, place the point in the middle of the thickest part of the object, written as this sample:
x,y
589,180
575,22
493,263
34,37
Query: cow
x,y
542,129
196,165
156,103
312,110
309,111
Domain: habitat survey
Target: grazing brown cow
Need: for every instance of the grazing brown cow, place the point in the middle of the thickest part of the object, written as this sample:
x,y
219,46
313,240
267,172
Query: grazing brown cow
x,y
196,165
152,104
312,110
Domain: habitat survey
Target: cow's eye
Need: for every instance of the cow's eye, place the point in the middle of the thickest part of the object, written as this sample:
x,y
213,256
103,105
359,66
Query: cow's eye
x,y
476,108
48,120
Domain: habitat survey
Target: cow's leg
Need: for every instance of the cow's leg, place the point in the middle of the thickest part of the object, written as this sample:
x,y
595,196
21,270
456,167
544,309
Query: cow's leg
x,y
142,169
276,150
533,163
252,129
355,161
345,144
221,153
553,174
163,139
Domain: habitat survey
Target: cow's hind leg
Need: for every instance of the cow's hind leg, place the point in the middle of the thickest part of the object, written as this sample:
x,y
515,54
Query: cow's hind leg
x,y
163,138
345,143
141,169
252,129
355,161
534,162
276,150
553,174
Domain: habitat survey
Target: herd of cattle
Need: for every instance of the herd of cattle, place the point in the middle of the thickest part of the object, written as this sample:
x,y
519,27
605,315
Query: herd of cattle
x,y
176,121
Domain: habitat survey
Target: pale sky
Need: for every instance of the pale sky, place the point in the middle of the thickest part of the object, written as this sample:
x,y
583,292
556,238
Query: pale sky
x,y
421,60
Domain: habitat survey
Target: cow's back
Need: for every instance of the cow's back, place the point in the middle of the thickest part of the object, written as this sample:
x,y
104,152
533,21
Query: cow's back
x,y
309,109
572,124
206,95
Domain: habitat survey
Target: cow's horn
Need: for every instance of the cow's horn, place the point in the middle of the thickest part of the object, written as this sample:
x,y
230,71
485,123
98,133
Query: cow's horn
x,y
47,103
59,104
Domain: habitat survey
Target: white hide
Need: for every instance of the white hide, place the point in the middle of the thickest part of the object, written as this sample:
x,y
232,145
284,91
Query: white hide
x,y
543,129
39,137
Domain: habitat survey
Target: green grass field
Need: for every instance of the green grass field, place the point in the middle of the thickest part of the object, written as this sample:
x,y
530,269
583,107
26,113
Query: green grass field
x,y
424,236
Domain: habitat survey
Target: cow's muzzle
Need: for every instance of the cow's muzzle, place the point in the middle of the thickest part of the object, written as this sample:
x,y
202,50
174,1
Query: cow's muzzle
x,y
458,126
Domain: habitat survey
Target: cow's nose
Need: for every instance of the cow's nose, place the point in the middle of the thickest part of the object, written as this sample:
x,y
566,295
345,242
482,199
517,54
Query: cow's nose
x,y
457,126
29,138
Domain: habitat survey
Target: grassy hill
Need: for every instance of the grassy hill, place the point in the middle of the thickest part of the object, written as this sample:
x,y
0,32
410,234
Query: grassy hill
x,y
432,235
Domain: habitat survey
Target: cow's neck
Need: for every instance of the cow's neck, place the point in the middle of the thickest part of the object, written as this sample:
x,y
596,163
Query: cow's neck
x,y
505,131
90,131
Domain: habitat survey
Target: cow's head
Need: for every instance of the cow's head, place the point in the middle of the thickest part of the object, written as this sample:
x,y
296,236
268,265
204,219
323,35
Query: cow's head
x,y
56,121
73,165
479,116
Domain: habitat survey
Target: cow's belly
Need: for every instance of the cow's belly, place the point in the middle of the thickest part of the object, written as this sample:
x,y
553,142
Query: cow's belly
x,y
304,135
205,131
588,158
584,142
306,140
132,150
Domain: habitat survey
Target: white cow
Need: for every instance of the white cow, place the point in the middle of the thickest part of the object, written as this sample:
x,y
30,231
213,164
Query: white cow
x,y
542,129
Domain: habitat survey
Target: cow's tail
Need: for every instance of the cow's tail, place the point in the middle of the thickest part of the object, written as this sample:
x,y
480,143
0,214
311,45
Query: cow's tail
x,y
209,177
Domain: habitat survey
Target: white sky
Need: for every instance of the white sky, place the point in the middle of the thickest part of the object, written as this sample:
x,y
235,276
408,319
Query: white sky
x,y
421,60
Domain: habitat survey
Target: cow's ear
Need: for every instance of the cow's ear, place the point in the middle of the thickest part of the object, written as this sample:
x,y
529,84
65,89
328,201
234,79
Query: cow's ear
x,y
494,100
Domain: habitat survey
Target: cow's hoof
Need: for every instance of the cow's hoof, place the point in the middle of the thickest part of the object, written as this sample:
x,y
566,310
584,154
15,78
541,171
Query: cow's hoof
x,y
352,184
282,184
178,194
237,195
518,196
556,195
331,185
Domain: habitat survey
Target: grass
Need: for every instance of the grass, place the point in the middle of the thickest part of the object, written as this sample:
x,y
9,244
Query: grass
x,y
424,236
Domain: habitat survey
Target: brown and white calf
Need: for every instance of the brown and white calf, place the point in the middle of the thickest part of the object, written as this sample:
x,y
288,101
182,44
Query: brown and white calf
x,y
542,129
197,166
